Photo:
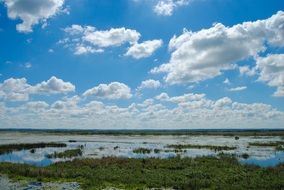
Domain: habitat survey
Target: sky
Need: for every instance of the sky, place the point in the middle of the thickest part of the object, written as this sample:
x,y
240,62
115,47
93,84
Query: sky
x,y
141,64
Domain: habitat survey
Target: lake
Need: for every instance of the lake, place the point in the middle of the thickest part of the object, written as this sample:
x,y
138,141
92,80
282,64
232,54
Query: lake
x,y
98,146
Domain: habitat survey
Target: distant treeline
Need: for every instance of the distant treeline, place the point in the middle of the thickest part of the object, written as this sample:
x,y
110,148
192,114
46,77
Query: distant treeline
x,y
225,132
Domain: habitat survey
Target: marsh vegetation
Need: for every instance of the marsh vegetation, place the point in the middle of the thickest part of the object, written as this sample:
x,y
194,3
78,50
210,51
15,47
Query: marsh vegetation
x,y
211,147
66,154
224,172
142,151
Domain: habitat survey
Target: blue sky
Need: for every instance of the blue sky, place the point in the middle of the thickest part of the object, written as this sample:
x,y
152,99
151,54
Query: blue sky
x,y
147,63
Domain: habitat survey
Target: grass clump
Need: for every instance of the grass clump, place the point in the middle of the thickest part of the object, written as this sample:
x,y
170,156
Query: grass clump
x,y
142,151
66,154
8,148
211,147
222,172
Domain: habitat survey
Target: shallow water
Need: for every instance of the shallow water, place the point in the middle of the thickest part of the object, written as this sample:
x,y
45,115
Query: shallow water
x,y
98,146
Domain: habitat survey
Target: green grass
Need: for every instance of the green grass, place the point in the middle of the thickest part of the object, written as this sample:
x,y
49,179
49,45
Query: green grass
x,y
8,148
224,172
211,147
66,154
142,151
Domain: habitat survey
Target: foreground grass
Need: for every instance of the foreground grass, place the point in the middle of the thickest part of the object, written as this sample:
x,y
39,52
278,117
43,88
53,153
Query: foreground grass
x,y
211,147
66,154
179,173
7,148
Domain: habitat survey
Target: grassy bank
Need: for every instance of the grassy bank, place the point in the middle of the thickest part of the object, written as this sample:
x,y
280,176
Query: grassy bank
x,y
7,148
188,173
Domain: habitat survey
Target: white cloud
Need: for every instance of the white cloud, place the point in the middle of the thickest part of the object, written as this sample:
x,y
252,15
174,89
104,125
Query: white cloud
x,y
187,111
149,84
239,88
246,70
15,90
226,81
144,49
81,49
186,98
19,90
37,105
114,90
201,55
272,71
87,39
53,86
166,7
163,96
32,12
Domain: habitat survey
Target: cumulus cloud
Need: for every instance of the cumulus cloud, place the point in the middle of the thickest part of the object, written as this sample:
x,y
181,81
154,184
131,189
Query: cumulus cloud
x,y
144,49
187,111
15,89
32,12
87,39
53,86
166,7
114,90
149,84
272,71
205,54
239,88
19,90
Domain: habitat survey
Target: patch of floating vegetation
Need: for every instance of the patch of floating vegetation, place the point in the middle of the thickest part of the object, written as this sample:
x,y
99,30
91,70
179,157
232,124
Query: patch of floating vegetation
x,y
245,155
101,148
211,147
142,151
157,151
66,154
8,148
224,172
116,147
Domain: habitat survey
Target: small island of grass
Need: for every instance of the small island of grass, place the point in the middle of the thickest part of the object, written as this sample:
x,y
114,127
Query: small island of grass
x,y
66,154
211,147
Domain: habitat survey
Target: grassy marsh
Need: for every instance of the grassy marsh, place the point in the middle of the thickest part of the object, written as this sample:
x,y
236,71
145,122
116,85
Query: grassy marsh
x,y
142,151
223,172
66,154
